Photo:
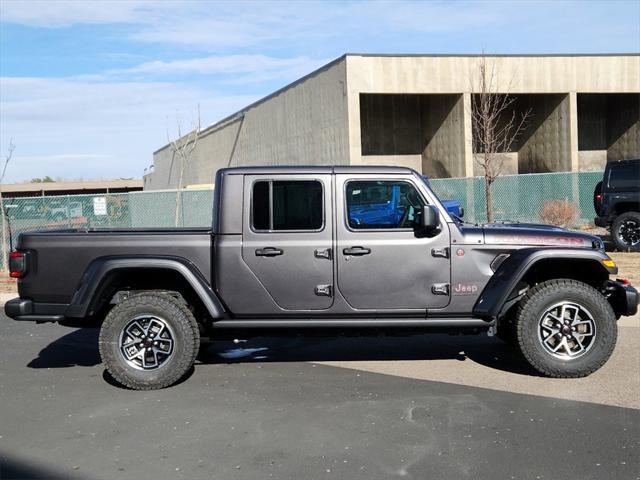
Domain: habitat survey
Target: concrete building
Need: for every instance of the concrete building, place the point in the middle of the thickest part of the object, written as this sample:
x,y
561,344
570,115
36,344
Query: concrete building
x,y
415,110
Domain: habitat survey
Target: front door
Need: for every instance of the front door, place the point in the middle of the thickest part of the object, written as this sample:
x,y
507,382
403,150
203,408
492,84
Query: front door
x,y
383,262
287,238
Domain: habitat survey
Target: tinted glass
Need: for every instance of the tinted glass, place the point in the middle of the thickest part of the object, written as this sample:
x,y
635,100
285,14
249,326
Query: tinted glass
x,y
261,205
382,204
295,205
625,177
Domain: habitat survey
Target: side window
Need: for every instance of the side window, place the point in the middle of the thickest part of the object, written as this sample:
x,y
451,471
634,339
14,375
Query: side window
x,y
624,177
382,204
287,205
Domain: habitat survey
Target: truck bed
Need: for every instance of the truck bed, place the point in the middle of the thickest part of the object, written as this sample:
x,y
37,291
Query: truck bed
x,y
62,256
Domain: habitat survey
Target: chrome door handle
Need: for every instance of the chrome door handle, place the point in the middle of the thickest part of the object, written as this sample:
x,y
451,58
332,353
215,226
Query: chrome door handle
x,y
268,252
356,251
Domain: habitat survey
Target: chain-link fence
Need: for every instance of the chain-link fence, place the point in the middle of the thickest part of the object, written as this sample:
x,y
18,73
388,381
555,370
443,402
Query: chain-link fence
x,y
520,198
114,210
516,198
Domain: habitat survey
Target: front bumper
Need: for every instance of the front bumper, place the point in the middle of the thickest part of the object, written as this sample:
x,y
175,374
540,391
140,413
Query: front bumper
x,y
25,310
623,298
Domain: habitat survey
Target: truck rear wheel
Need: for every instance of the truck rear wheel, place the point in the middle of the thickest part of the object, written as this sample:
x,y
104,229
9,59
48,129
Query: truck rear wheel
x,y
149,341
625,232
565,328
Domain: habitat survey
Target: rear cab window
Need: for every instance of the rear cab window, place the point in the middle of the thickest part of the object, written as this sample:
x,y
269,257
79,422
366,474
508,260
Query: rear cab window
x,y
287,205
624,176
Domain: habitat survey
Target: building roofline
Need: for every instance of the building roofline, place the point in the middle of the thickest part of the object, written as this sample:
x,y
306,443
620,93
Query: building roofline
x,y
240,113
492,55
70,185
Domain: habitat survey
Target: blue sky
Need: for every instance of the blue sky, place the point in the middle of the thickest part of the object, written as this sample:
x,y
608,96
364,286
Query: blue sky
x,y
89,89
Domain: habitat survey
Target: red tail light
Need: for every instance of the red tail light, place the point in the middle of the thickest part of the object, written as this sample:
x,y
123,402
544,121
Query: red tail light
x,y
17,264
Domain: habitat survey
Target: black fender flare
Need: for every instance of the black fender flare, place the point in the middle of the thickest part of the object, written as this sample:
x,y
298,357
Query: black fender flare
x,y
99,269
496,293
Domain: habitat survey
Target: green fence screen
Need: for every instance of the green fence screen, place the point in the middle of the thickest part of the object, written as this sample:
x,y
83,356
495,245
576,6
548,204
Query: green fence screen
x,y
516,198
519,198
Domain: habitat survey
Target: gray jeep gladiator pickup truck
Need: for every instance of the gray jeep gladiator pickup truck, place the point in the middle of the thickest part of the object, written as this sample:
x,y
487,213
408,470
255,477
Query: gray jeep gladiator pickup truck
x,y
345,248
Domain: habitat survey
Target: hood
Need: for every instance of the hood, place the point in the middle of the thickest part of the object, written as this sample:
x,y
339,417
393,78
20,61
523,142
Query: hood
x,y
537,235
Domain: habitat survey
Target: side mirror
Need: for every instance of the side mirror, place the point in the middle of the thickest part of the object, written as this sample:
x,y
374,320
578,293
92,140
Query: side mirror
x,y
430,218
461,212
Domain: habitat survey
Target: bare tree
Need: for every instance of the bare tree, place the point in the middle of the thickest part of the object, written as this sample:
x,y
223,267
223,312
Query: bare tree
x,y
5,164
182,148
496,125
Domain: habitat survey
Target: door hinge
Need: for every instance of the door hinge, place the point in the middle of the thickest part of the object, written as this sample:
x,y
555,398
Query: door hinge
x,y
322,253
440,289
440,252
323,290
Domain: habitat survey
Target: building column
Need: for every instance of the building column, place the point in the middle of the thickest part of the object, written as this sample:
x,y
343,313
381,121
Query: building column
x,y
467,137
573,132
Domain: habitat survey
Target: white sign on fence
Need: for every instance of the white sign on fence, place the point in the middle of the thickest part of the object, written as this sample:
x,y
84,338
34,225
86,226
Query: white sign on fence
x,y
99,205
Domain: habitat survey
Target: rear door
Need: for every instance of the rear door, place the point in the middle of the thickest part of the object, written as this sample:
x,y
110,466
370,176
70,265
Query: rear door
x,y
288,238
383,263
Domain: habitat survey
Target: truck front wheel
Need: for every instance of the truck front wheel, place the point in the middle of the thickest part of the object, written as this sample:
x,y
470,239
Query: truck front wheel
x,y
565,328
149,341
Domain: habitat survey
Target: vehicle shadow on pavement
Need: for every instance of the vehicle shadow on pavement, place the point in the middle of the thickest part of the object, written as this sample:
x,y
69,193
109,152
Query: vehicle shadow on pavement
x,y
14,468
80,348
483,350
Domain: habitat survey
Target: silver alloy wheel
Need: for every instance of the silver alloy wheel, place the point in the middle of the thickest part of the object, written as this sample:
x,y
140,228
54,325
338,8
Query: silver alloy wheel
x,y
629,232
146,342
567,330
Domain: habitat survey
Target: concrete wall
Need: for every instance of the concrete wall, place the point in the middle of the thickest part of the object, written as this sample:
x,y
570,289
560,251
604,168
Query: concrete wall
x,y
608,128
545,145
430,126
303,124
550,145
443,155
509,163
592,160
318,119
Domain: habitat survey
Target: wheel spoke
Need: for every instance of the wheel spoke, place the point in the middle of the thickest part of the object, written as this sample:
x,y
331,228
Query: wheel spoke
x,y
134,330
131,353
165,344
558,345
154,328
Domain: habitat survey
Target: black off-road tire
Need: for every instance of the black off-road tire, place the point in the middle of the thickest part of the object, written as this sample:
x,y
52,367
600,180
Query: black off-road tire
x,y
618,241
547,294
184,333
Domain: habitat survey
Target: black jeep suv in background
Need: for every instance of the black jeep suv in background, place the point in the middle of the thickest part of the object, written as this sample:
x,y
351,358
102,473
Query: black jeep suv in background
x,y
616,200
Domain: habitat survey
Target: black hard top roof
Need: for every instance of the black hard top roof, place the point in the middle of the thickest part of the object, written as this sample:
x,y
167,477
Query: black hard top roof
x,y
311,169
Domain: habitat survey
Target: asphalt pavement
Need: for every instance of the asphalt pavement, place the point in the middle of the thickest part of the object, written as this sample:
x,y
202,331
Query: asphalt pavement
x,y
315,408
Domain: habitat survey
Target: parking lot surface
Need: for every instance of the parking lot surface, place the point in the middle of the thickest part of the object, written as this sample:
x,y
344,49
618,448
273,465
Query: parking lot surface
x,y
310,408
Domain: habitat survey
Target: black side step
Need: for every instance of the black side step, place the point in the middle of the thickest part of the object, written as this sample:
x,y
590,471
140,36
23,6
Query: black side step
x,y
354,323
